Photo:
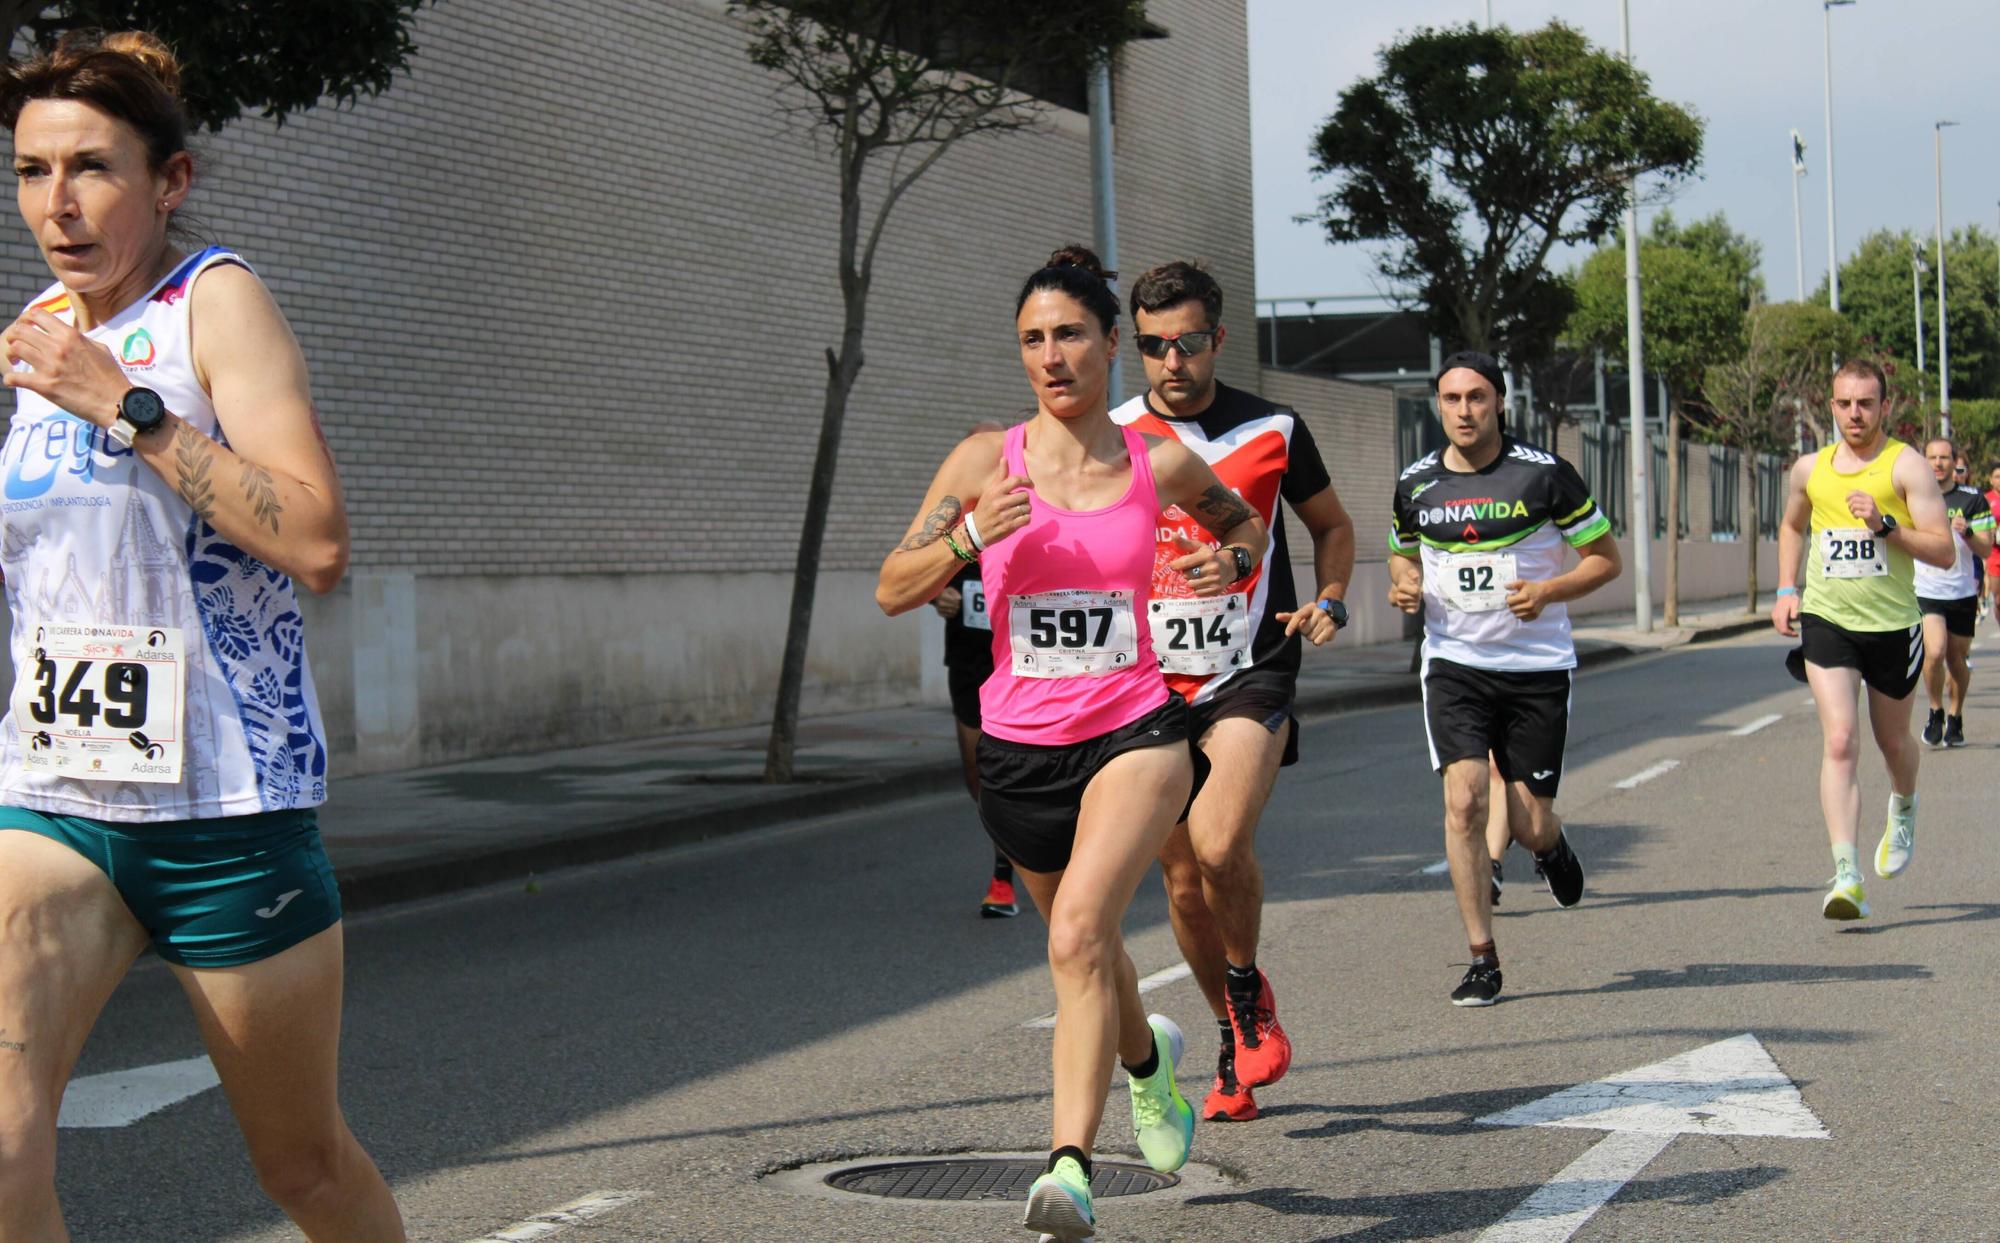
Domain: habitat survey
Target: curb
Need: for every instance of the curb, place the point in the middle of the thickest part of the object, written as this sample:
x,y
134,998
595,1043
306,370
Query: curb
x,y
373,886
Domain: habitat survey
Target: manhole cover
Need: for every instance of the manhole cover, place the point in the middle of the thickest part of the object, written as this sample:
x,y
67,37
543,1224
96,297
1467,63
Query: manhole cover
x,y
985,1179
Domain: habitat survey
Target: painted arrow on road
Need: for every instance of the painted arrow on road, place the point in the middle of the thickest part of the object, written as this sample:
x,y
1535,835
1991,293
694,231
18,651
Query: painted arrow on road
x,y
1731,1087
122,1097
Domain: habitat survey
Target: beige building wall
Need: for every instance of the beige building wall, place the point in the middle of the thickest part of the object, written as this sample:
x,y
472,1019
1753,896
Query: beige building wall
x,y
565,292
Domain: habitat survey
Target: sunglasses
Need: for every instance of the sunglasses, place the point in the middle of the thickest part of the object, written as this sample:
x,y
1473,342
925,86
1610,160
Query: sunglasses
x,y
1188,343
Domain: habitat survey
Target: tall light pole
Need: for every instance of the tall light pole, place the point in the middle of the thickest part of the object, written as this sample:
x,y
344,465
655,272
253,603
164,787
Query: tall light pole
x,y
1917,300
1798,226
1639,516
1944,339
1489,14
1832,229
1104,189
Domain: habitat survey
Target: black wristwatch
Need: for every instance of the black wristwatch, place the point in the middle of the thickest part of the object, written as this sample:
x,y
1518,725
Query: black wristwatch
x,y
1337,611
139,412
1888,525
1241,556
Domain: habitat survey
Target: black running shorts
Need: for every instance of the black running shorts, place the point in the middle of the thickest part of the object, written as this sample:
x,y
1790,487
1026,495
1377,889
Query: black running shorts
x,y
1030,796
1522,718
1261,695
1890,661
1961,617
964,683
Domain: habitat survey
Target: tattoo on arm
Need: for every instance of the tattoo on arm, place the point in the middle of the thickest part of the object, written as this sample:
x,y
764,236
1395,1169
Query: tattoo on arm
x,y
262,495
941,519
1221,510
14,1046
191,465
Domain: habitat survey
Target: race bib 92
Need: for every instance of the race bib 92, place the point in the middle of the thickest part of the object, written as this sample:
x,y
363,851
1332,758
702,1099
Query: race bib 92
x,y
1476,582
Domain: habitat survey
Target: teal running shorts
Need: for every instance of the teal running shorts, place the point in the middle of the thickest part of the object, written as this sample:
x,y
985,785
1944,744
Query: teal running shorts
x,y
220,892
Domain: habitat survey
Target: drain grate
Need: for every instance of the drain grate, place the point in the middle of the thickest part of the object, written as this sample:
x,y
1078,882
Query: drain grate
x,y
985,1178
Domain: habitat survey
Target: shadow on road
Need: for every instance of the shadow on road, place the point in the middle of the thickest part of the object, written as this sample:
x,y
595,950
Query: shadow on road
x,y
1723,974
1967,912
1429,1215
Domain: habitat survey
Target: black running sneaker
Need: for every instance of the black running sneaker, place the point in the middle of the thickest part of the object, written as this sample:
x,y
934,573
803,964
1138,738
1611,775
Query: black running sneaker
x,y
1497,881
1560,867
1481,985
1954,731
1934,728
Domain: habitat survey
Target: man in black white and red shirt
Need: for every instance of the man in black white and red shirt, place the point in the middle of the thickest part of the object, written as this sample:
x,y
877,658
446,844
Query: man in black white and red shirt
x,y
1234,657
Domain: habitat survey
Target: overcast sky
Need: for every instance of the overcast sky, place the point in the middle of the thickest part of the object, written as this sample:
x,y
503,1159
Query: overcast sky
x,y
1752,69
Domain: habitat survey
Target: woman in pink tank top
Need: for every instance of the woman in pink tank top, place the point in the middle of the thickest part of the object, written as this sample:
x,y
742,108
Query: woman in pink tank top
x,y
1084,763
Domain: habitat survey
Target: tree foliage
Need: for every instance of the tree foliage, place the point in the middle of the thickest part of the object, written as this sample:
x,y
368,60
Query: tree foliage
x,y
272,57
1474,153
1876,293
1690,310
1735,255
900,81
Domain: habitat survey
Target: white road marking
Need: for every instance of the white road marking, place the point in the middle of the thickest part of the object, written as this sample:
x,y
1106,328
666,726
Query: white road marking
x,y
1437,869
1159,979
557,1220
1640,778
1744,731
1731,1087
122,1097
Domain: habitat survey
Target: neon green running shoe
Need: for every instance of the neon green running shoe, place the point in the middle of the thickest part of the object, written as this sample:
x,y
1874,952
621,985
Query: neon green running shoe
x,y
1162,1120
1845,900
1899,840
1059,1204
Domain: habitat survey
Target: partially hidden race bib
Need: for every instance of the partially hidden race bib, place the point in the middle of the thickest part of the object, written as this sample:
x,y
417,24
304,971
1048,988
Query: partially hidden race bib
x,y
972,606
102,703
1851,552
1201,636
1076,633
1476,582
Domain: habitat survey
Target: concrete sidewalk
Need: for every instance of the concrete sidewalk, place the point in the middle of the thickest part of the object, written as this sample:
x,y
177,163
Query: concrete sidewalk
x,y
397,836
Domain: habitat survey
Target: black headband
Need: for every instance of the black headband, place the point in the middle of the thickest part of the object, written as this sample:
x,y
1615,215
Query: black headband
x,y
1472,360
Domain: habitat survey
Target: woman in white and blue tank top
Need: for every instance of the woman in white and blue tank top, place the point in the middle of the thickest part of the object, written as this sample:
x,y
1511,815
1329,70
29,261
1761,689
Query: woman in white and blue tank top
x,y
162,486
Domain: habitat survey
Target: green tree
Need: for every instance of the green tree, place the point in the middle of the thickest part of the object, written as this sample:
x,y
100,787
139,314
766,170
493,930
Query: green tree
x,y
1753,401
1691,311
1735,255
893,85
1475,153
273,57
1876,294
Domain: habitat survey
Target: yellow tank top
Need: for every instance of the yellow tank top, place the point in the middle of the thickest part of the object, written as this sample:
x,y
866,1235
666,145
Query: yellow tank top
x,y
1872,586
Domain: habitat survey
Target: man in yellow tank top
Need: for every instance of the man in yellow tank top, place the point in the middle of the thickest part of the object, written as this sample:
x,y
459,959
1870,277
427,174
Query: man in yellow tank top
x,y
1860,513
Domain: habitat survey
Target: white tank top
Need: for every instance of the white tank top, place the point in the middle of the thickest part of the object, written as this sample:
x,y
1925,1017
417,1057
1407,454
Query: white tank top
x,y
91,535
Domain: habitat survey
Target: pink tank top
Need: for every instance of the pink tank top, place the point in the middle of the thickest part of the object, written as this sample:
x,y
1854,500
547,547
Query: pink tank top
x,y
1072,653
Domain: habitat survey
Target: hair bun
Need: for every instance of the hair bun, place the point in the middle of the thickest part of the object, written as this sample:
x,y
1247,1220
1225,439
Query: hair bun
x,y
1076,255
149,50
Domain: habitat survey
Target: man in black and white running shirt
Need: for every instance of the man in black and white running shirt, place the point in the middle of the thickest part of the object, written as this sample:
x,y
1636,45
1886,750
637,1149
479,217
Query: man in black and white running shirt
x,y
1950,598
1477,543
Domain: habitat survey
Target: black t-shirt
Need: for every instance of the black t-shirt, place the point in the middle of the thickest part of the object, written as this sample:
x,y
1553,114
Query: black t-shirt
x,y
969,646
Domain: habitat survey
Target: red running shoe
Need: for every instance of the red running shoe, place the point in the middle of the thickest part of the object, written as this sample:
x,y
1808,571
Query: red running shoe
x,y
1228,1101
999,903
1263,1052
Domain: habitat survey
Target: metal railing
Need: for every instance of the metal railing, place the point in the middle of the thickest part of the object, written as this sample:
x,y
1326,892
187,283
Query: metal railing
x,y
1659,490
1606,471
1725,493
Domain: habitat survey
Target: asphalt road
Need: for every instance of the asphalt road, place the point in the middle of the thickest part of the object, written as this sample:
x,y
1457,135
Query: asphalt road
x,y
685,1023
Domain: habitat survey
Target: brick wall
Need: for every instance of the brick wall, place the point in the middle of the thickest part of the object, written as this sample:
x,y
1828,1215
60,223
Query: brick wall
x,y
565,292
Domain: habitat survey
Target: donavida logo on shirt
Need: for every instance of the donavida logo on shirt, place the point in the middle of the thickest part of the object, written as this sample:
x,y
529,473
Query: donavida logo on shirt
x,y
137,350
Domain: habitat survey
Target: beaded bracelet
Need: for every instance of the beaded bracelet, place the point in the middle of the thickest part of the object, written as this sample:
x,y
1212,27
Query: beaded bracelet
x,y
958,552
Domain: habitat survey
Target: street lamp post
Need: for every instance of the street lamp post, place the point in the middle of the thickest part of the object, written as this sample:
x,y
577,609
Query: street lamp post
x,y
1832,229
1944,340
1917,301
1798,226
1640,513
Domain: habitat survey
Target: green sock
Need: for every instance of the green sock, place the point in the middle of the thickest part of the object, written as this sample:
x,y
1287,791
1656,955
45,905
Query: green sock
x,y
1847,858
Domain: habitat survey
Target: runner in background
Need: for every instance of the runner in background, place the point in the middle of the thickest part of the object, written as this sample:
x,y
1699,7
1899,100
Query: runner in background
x,y
1234,658
968,662
1949,598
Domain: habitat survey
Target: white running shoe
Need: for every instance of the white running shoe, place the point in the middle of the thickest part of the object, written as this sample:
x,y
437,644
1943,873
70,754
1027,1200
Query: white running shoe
x,y
1899,840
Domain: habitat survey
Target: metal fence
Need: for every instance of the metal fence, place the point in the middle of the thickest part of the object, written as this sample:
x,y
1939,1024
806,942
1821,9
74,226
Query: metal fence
x,y
1770,493
1606,472
1725,493
1417,430
1658,487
